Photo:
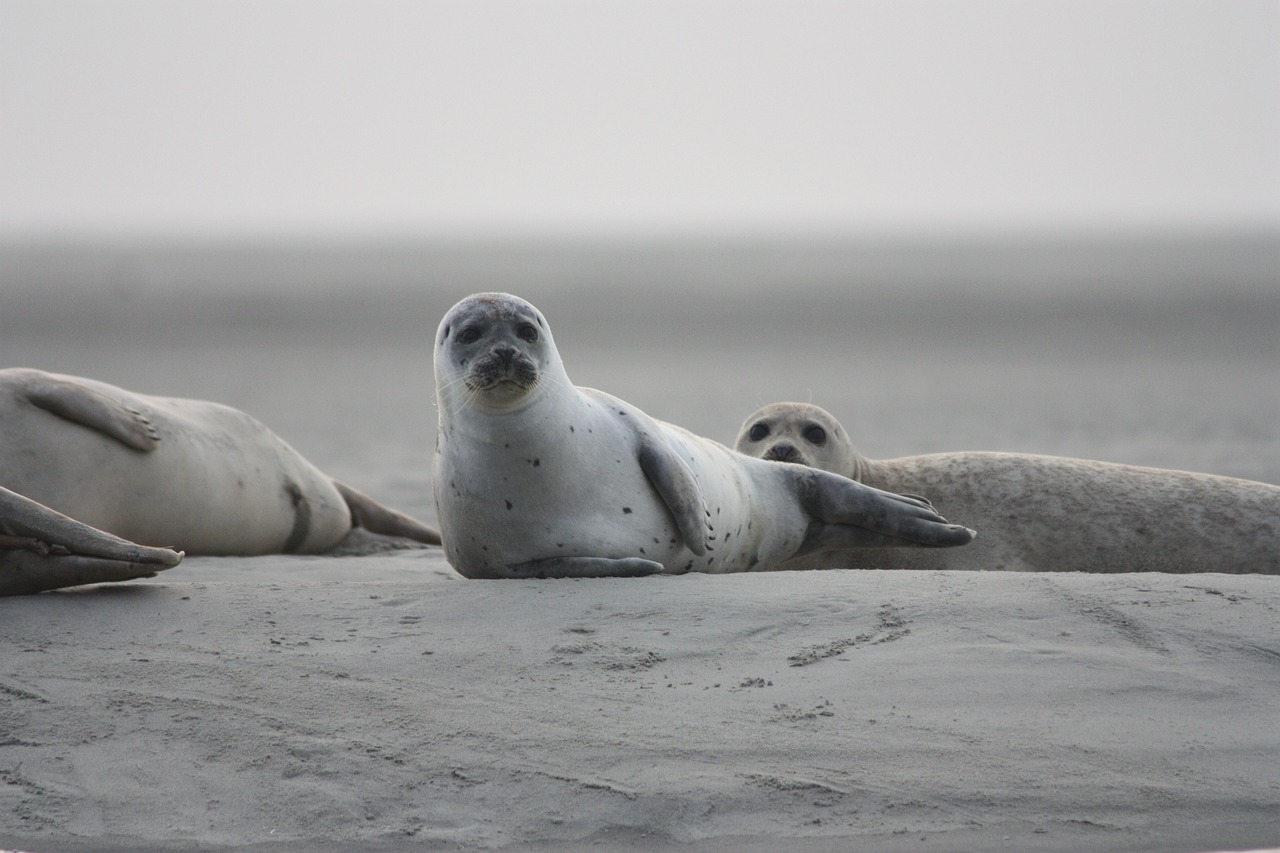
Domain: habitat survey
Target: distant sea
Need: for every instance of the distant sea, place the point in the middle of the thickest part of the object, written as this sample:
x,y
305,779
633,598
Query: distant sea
x,y
1160,350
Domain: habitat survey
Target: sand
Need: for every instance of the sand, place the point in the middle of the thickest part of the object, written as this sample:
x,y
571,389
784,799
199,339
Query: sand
x,y
384,703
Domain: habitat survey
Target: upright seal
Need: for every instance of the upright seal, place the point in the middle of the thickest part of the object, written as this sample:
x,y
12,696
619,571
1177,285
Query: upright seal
x,y
1041,513
535,477
188,474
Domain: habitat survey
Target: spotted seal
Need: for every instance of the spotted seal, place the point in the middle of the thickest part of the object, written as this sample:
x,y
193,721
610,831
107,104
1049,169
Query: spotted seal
x,y
535,477
1040,513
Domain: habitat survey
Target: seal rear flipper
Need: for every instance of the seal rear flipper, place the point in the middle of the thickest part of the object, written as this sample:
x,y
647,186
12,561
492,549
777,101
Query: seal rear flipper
x,y
674,482
376,518
26,519
585,567
26,572
867,517
88,407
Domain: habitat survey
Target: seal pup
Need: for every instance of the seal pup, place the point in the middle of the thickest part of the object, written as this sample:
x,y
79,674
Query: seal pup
x,y
41,549
535,477
1041,513
189,474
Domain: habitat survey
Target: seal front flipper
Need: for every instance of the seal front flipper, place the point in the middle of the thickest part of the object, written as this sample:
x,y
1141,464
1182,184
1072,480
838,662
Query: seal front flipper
x,y
91,408
584,567
848,514
679,490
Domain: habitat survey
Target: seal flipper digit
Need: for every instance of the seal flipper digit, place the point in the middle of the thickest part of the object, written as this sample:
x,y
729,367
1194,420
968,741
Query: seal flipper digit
x,y
585,567
679,490
850,514
90,408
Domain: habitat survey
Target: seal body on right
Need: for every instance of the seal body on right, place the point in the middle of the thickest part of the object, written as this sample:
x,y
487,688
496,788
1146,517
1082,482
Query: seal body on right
x,y
1040,513
535,477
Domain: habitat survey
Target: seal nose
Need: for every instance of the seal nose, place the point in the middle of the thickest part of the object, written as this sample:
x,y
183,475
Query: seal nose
x,y
506,356
782,452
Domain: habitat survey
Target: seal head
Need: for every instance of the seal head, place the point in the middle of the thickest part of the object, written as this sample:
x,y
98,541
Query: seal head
x,y
803,434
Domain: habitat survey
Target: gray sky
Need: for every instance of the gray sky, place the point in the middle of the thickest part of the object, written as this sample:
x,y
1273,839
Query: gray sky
x,y
277,118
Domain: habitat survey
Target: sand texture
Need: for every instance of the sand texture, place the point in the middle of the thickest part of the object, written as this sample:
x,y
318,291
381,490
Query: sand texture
x,y
403,706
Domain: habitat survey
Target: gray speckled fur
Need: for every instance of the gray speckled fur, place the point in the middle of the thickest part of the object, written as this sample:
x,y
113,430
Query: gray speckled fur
x,y
1122,518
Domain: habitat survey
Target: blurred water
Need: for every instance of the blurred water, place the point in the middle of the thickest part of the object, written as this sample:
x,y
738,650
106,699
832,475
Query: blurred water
x,y
1165,354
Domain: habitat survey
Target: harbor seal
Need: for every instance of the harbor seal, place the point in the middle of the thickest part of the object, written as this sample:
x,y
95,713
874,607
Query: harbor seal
x,y
188,474
535,477
1041,513
41,550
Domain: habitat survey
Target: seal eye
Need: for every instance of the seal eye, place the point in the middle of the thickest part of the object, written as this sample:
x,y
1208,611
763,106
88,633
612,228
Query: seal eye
x,y
469,335
527,332
759,432
816,435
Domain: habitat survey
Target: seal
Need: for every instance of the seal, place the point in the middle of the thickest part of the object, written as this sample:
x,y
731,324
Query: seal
x,y
41,550
189,474
535,477
1041,513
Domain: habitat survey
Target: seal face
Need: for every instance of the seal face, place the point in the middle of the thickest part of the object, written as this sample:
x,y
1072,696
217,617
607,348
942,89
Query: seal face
x,y
535,477
1040,513
799,433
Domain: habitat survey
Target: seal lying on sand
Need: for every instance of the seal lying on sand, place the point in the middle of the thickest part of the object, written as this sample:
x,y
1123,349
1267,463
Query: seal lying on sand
x,y
537,478
1041,513
188,474
41,549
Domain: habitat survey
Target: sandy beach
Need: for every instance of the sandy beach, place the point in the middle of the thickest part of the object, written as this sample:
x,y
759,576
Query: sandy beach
x,y
384,703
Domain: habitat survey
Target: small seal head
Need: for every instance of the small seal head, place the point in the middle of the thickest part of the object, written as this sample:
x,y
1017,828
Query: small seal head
x,y
800,433
498,350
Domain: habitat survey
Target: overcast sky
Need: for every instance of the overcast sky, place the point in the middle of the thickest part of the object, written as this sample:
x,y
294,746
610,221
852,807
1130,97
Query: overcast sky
x,y
276,118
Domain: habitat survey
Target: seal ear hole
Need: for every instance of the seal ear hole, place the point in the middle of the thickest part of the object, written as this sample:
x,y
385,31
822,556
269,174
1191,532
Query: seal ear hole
x,y
445,336
815,435
759,432
527,332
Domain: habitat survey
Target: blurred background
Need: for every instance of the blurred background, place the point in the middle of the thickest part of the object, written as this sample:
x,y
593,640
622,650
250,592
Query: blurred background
x,y
957,224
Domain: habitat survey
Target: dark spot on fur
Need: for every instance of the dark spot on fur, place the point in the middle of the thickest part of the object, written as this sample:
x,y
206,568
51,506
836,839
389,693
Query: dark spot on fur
x,y
642,551
688,565
301,517
710,560
559,544
626,510
571,428
508,504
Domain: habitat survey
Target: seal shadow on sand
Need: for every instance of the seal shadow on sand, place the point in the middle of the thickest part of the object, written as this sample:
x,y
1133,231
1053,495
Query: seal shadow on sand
x,y
88,471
